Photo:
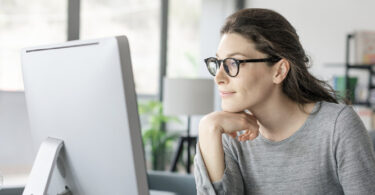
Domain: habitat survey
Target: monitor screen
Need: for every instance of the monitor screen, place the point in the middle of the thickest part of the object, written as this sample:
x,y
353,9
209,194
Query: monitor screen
x,y
83,93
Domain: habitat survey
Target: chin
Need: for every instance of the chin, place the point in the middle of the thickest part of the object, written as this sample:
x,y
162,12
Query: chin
x,y
232,108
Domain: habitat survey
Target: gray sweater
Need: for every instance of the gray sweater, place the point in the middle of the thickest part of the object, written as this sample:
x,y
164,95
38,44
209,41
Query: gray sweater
x,y
330,154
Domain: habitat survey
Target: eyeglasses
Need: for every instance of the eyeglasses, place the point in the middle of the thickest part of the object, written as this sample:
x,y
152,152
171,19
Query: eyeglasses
x,y
232,65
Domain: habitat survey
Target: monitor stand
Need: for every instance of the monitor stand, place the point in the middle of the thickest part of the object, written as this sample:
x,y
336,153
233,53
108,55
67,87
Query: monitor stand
x,y
44,164
47,158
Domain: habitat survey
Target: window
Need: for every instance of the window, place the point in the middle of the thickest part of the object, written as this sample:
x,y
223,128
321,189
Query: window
x,y
183,38
24,24
139,20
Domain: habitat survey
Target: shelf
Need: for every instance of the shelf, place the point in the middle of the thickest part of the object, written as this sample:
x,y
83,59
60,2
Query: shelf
x,y
366,67
361,66
343,65
361,103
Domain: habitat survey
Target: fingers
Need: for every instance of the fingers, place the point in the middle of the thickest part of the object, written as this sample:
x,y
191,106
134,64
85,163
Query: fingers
x,y
233,135
248,135
253,129
231,123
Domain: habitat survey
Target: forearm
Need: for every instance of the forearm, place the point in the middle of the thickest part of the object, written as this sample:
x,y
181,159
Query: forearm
x,y
211,147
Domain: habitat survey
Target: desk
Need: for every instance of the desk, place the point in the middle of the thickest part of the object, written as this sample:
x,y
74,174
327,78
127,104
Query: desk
x,y
156,192
15,176
15,179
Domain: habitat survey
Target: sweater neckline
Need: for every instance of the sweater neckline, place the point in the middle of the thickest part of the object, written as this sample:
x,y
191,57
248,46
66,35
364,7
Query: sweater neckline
x,y
298,132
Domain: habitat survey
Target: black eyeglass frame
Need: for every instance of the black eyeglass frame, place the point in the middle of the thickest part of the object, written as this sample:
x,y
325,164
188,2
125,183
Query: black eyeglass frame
x,y
273,59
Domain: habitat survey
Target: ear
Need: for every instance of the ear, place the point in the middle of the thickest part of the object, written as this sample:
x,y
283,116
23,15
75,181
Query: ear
x,y
281,70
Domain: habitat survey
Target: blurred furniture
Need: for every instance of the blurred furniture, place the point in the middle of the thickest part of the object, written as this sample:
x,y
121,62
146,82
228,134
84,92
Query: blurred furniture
x,y
16,148
15,136
350,85
180,184
19,191
159,182
187,97
12,191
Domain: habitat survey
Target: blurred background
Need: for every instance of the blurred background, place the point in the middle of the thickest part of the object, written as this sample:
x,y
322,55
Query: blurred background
x,y
170,38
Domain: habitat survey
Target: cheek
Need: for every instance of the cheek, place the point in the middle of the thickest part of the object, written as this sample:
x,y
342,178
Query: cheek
x,y
256,87
251,88
254,82
245,93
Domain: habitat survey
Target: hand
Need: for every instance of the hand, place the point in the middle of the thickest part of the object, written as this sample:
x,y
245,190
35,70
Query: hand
x,y
230,123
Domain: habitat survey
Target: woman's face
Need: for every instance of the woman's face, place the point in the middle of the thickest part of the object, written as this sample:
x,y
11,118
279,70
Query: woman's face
x,y
252,85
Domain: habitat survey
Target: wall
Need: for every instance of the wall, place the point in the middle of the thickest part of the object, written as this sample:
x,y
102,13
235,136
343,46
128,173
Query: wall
x,y
323,26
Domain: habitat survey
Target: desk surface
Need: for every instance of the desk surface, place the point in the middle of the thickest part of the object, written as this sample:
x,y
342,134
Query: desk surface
x,y
15,177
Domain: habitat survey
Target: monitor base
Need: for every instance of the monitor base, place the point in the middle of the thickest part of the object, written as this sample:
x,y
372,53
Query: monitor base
x,y
42,169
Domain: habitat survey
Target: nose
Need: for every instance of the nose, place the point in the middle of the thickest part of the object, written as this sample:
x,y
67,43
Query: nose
x,y
221,76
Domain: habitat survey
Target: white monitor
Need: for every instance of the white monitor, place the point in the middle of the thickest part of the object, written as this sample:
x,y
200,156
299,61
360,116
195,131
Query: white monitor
x,y
82,92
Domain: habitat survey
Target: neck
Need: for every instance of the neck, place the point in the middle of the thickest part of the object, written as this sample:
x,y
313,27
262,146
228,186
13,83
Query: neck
x,y
279,117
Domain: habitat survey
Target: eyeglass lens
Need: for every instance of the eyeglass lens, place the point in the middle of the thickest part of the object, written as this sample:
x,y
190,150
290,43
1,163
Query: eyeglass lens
x,y
230,66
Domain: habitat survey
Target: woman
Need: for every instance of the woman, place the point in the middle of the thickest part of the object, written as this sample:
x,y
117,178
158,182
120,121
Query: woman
x,y
281,130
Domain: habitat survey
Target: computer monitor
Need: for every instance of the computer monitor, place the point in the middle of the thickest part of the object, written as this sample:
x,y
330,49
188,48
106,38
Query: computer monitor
x,y
82,92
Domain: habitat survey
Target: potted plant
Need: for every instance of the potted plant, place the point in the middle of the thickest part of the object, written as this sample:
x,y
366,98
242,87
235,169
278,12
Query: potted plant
x,y
158,143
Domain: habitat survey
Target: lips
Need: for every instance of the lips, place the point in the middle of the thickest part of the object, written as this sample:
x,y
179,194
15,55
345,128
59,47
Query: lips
x,y
226,93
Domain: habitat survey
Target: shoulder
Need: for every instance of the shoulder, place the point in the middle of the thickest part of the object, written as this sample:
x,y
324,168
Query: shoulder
x,y
345,122
330,109
327,113
339,115
348,123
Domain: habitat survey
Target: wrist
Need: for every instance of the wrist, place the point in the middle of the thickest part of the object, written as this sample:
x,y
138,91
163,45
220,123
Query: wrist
x,y
210,130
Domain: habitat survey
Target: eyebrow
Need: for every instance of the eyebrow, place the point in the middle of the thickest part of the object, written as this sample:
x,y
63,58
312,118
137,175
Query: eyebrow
x,y
233,54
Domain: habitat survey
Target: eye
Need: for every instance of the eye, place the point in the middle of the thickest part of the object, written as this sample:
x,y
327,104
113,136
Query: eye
x,y
232,62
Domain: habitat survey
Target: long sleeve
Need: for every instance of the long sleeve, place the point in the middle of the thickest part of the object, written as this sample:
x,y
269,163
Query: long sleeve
x,y
231,182
354,154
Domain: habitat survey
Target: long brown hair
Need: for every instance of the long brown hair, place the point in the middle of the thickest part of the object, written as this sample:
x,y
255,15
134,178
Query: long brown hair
x,y
273,35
